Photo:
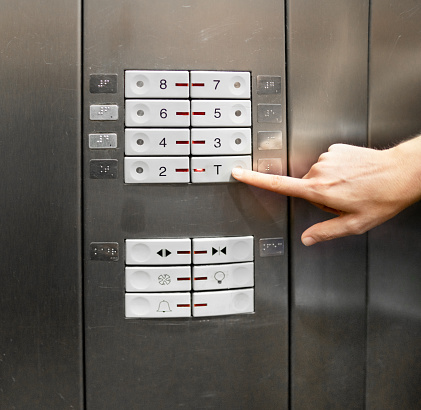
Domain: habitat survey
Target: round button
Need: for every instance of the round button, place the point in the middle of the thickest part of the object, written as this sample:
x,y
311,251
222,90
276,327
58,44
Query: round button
x,y
139,306
140,280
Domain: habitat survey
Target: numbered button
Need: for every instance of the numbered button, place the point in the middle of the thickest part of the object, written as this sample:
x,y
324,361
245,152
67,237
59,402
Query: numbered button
x,y
157,113
220,141
156,84
220,84
164,141
220,113
217,169
156,170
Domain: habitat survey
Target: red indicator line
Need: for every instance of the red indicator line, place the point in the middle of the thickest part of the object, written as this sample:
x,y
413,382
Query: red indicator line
x,y
183,278
182,142
199,113
198,84
182,113
181,84
183,305
183,252
200,304
198,142
182,170
201,278
199,170
200,252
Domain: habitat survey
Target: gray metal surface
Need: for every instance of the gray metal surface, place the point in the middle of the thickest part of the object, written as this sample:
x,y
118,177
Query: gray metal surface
x,y
40,269
327,103
235,362
394,312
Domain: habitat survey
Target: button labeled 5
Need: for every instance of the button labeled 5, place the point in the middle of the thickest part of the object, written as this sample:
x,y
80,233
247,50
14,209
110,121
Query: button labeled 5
x,y
221,113
157,113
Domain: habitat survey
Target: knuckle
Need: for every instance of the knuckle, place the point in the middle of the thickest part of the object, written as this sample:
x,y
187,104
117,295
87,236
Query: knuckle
x,y
356,226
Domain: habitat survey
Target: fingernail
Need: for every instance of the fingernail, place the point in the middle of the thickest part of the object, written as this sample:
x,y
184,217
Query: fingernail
x,y
237,171
308,241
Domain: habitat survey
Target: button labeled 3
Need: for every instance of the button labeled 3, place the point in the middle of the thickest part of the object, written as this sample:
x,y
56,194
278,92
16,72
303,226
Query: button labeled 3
x,y
221,141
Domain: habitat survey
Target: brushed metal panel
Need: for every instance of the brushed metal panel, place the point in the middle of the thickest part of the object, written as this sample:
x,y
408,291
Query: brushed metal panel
x,y
327,103
394,311
228,362
40,223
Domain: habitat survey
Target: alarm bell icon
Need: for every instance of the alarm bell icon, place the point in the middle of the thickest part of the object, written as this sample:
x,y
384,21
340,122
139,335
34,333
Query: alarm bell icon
x,y
164,307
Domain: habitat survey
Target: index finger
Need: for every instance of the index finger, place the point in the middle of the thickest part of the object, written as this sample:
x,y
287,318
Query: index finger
x,y
281,184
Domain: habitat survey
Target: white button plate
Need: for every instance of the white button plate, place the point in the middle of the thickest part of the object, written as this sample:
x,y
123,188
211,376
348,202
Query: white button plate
x,y
221,141
157,113
229,276
156,84
158,279
221,113
219,84
222,250
156,170
158,305
158,251
157,141
217,169
225,302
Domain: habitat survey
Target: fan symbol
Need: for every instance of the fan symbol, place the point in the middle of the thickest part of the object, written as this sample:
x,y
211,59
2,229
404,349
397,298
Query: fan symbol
x,y
164,279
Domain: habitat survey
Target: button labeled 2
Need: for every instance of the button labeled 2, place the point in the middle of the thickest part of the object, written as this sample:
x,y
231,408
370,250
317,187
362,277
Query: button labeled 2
x,y
156,170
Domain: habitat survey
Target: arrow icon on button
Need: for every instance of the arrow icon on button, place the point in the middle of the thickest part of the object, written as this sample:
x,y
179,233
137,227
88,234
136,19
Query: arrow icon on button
x,y
164,253
219,250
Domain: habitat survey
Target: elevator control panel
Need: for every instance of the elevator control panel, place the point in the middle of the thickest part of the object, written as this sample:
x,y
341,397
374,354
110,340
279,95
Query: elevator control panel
x,y
186,126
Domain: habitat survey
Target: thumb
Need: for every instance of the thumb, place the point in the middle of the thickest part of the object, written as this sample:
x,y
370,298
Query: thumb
x,y
333,228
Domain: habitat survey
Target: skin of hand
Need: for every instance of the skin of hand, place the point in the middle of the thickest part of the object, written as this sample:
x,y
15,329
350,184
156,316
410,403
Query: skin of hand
x,y
364,187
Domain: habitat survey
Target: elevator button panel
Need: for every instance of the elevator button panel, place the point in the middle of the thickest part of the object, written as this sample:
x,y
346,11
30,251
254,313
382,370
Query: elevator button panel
x,y
156,170
226,302
191,114
158,305
156,84
219,84
158,276
226,276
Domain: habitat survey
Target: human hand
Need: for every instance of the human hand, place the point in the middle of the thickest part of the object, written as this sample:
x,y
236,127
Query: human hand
x,y
364,187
